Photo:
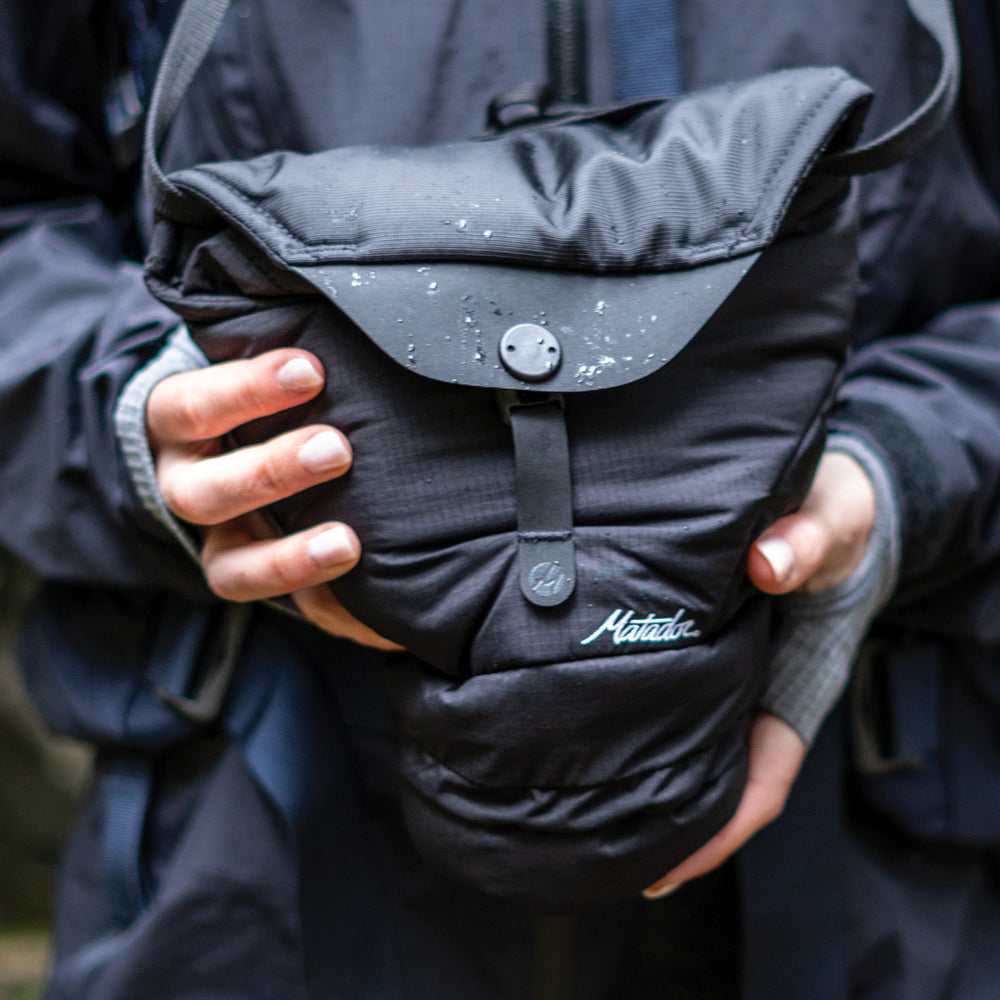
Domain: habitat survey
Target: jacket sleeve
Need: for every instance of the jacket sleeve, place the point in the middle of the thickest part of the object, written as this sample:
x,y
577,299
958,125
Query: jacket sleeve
x,y
929,405
75,318
929,402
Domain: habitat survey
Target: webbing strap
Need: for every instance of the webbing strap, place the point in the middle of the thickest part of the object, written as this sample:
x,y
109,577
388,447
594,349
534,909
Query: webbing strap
x,y
544,491
187,648
923,124
186,49
128,788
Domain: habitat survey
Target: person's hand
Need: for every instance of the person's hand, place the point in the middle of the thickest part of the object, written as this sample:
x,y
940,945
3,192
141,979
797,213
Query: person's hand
x,y
223,493
822,543
811,550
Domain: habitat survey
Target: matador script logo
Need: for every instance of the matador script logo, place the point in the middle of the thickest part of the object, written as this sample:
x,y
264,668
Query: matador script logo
x,y
624,627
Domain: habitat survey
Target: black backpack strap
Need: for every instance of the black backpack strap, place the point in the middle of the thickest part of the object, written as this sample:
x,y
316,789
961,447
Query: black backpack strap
x,y
186,48
923,124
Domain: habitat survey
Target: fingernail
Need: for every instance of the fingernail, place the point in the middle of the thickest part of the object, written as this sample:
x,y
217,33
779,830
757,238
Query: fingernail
x,y
298,375
659,891
324,452
332,547
779,556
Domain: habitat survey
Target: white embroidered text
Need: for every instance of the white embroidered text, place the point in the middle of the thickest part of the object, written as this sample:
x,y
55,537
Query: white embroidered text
x,y
625,627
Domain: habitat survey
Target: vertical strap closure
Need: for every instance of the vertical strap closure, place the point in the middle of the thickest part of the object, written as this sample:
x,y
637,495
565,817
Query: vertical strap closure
x,y
544,492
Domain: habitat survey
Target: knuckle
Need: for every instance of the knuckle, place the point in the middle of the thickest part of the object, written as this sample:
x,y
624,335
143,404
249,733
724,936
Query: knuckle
x,y
188,412
249,393
281,570
269,477
238,569
181,498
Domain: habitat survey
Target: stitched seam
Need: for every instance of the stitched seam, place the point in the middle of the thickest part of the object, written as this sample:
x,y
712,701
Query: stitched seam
x,y
260,210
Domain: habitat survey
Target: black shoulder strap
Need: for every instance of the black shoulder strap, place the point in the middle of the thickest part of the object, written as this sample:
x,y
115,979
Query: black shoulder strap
x,y
909,135
186,48
199,20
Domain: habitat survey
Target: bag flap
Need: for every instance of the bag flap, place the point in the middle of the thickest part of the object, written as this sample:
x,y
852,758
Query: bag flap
x,y
677,184
460,241
571,332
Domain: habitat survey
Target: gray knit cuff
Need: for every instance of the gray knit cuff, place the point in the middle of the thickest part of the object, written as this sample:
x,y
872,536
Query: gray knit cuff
x,y
818,635
178,355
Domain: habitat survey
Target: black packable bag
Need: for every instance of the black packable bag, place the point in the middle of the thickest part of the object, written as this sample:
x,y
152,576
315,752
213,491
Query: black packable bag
x,y
582,363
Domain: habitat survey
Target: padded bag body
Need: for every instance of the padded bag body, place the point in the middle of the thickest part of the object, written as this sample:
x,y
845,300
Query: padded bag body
x,y
582,365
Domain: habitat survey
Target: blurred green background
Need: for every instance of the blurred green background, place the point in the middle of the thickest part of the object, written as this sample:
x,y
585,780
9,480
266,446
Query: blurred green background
x,y
41,780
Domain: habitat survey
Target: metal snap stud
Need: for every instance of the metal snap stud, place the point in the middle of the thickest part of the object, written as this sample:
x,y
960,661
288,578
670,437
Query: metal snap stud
x,y
530,352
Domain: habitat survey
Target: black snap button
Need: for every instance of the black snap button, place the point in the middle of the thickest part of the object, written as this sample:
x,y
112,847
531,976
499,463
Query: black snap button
x,y
530,352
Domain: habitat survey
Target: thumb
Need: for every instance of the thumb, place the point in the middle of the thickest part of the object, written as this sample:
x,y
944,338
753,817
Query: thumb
x,y
821,544
789,553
